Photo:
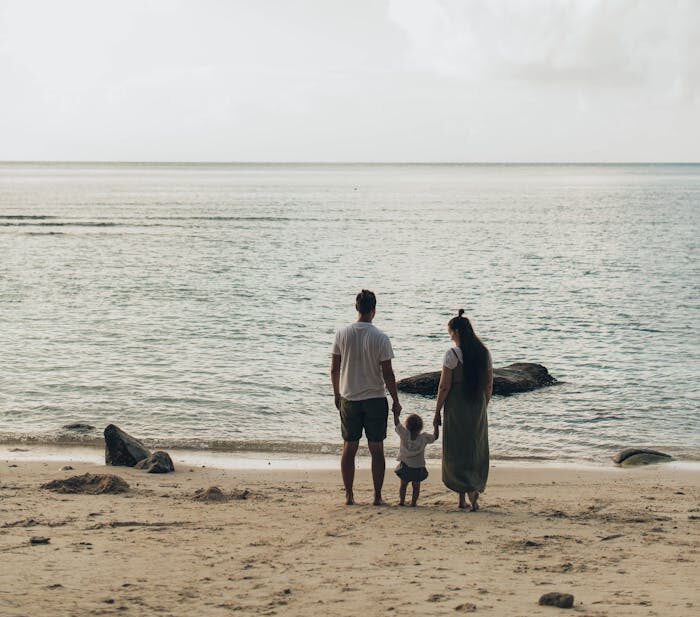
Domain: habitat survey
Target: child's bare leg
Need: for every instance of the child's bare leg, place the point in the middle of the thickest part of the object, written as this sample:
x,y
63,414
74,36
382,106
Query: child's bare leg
x,y
416,492
402,493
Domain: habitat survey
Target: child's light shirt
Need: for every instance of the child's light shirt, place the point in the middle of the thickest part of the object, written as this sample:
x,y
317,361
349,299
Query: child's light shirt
x,y
412,451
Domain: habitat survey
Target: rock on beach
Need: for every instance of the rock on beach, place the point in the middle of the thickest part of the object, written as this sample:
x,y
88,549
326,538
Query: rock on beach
x,y
511,379
640,456
562,600
123,449
158,462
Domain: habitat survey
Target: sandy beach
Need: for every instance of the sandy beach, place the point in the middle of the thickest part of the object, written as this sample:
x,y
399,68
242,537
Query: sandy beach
x,y
622,541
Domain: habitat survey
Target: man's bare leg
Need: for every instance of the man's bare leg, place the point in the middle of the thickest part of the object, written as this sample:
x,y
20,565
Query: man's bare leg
x,y
376,449
402,492
416,492
347,468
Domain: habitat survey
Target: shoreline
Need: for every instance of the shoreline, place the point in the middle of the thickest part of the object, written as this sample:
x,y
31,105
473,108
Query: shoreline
x,y
260,460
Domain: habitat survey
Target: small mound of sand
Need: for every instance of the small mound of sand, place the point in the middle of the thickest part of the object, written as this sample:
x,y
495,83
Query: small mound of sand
x,y
92,484
214,493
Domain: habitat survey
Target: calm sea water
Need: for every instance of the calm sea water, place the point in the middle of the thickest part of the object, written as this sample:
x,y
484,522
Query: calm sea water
x,y
196,304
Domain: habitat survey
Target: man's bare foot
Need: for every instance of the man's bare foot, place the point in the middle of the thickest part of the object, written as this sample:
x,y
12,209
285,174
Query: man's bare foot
x,y
349,498
378,501
414,504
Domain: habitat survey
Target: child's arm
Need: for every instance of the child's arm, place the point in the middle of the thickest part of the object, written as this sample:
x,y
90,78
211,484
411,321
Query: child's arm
x,y
396,419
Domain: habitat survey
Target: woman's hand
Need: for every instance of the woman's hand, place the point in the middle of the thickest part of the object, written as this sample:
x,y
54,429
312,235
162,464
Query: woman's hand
x,y
437,420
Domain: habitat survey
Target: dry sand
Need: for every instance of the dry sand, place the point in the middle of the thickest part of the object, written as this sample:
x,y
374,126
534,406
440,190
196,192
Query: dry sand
x,y
624,542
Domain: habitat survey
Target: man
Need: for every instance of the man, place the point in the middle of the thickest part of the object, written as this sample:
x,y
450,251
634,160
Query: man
x,y
360,368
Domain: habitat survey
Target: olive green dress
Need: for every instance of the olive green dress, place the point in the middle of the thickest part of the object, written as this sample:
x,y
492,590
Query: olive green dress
x,y
465,438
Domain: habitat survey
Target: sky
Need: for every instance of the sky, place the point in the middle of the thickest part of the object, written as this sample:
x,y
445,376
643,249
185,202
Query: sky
x,y
339,81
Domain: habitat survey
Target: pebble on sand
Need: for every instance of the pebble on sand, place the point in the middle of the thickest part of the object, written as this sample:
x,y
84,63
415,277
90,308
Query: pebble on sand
x,y
562,600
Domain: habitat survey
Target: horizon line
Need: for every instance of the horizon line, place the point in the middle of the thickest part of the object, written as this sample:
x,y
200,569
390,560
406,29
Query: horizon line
x,y
203,162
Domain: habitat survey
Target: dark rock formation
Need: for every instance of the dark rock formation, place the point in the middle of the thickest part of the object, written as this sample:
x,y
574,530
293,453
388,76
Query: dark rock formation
x,y
158,462
518,377
92,484
562,600
640,456
123,449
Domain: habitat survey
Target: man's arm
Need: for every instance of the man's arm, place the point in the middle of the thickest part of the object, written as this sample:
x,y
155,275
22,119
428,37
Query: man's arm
x,y
335,379
390,381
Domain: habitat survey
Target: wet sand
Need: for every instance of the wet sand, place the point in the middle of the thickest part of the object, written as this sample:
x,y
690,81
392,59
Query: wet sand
x,y
622,541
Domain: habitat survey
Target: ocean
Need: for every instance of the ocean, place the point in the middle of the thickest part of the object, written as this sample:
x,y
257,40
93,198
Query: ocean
x,y
194,305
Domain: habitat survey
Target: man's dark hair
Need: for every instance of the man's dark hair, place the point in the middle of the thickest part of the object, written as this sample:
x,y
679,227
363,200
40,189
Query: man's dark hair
x,y
365,302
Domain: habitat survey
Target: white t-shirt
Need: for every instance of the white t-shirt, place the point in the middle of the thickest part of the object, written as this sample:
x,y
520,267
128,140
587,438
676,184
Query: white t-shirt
x,y
361,347
450,360
412,451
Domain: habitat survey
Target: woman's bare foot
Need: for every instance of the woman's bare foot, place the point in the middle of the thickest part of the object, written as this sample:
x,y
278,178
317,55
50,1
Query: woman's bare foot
x,y
349,498
462,502
474,500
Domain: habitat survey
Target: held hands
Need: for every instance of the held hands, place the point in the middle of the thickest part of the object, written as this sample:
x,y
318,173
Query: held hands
x,y
396,408
437,420
337,401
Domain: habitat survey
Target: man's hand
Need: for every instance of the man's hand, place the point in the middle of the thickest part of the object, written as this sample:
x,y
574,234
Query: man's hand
x,y
396,408
337,400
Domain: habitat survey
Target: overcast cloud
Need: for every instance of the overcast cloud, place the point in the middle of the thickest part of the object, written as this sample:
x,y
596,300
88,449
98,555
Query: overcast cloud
x,y
403,80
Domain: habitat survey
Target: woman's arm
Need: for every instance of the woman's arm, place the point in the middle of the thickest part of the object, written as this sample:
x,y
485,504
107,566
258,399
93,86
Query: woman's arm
x,y
488,391
443,391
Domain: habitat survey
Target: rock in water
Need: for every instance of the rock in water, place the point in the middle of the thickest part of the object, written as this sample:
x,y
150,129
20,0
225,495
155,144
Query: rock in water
x,y
158,462
92,484
518,377
123,449
80,427
562,600
640,456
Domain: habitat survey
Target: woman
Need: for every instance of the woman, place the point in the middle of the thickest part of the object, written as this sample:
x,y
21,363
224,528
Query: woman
x,y
465,390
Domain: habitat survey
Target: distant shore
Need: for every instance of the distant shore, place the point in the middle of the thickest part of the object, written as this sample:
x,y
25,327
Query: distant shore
x,y
623,542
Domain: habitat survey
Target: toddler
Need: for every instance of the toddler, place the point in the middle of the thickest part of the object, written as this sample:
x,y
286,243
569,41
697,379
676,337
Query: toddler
x,y
411,467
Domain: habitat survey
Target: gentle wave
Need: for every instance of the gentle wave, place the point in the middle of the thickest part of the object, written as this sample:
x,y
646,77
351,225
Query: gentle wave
x,y
64,437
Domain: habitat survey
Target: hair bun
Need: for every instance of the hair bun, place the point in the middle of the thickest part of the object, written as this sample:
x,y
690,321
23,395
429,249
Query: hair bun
x,y
460,312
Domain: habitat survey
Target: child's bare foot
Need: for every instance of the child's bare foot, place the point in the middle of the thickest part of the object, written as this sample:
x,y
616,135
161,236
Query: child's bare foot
x,y
349,498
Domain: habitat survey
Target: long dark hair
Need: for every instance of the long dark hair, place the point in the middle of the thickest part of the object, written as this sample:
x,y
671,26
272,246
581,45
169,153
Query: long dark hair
x,y
475,356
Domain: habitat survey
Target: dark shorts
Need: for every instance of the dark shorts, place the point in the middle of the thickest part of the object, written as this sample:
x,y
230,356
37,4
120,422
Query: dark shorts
x,y
411,474
370,415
